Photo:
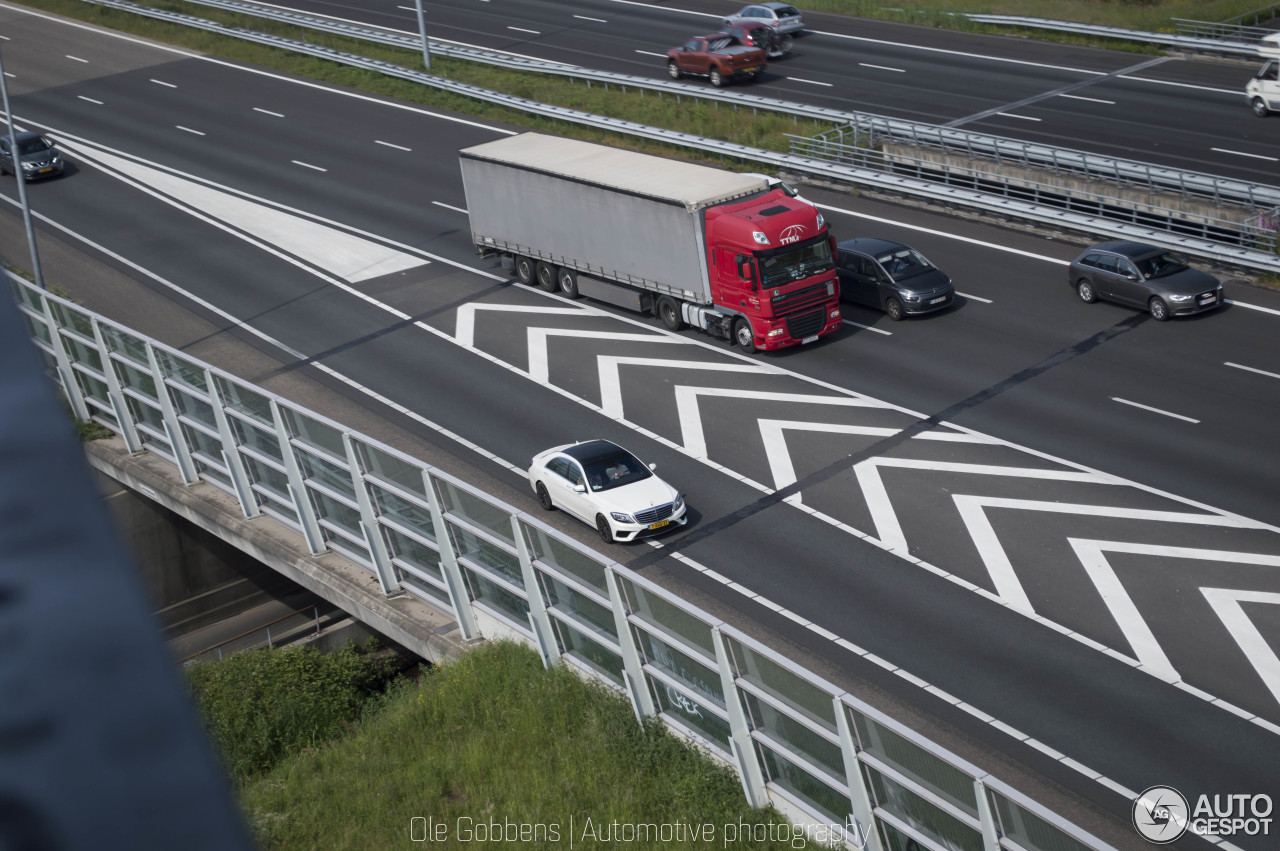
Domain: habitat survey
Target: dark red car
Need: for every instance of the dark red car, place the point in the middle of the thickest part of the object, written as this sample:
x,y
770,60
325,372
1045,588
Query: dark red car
x,y
718,57
759,34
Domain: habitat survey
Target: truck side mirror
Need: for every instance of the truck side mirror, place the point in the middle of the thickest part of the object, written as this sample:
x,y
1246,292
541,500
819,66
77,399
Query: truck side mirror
x,y
746,270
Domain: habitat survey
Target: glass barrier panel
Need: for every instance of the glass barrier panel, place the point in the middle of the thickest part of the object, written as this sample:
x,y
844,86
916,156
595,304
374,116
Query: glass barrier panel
x,y
922,815
792,733
691,712
94,388
69,317
1030,831
700,676
135,379
262,439
193,408
667,617
216,478
387,466
580,607
182,371
202,443
83,353
816,792
474,509
409,514
790,688
37,328
916,762
421,585
144,413
322,470
27,294
416,554
245,401
486,553
337,513
324,437
583,648
556,553
515,607
268,477
126,345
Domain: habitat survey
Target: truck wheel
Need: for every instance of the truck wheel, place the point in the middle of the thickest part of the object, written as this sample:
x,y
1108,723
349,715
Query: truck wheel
x,y
568,282
1260,107
669,313
673,70
717,79
525,269
744,337
547,276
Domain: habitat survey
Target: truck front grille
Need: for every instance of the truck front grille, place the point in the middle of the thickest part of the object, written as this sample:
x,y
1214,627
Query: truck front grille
x,y
800,299
801,325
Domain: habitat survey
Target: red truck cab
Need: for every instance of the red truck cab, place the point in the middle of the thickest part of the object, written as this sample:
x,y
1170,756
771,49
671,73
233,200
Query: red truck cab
x,y
771,261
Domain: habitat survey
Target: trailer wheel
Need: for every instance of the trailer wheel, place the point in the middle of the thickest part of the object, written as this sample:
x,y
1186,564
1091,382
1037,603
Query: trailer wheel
x,y
547,276
525,269
744,337
568,282
669,313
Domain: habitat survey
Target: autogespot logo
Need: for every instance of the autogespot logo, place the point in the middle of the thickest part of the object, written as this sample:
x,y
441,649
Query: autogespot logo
x,y
1160,814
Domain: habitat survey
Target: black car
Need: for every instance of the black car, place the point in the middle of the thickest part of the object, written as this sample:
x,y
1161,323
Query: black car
x,y
1144,276
892,277
39,156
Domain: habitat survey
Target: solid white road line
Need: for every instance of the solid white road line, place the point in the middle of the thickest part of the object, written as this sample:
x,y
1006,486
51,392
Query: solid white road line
x,y
585,18
1243,154
163,83
651,53
883,68
77,59
389,145
268,112
1093,100
523,30
1251,369
865,327
90,100
810,82
1153,410
1023,117
973,297
450,207
189,130
308,165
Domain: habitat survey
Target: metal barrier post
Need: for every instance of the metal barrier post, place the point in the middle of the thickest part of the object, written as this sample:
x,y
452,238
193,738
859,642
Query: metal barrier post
x,y
453,581
632,666
539,620
115,392
69,384
230,451
863,816
369,522
297,487
177,439
744,751
990,830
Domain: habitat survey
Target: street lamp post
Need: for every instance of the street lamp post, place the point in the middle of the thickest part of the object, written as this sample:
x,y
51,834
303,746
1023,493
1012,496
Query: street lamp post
x,y
16,156
422,28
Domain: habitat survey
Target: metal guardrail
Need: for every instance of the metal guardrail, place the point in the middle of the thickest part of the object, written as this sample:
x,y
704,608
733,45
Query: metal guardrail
x,y
1186,42
1166,179
824,757
1220,30
953,195
1257,16
830,147
266,627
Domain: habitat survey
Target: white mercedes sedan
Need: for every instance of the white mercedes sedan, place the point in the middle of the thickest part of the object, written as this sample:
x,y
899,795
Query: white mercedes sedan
x,y
607,487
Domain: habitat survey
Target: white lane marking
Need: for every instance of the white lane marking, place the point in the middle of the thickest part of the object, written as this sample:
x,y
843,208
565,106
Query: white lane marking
x,y
189,130
1251,369
450,207
1243,154
390,145
934,232
666,9
523,30
1257,307
5,37
163,83
1023,117
810,82
611,384
77,59
1093,100
1232,92
883,67
974,297
585,18
10,76
1153,410
268,112
308,165
865,327
651,53
90,100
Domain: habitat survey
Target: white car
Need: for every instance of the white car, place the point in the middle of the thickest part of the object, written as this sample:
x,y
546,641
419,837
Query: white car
x,y
607,487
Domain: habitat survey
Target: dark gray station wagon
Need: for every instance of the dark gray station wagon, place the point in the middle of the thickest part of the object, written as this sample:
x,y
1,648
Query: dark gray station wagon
x,y
1143,276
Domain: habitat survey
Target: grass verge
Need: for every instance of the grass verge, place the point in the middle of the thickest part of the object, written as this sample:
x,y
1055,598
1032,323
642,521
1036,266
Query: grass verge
x,y
487,744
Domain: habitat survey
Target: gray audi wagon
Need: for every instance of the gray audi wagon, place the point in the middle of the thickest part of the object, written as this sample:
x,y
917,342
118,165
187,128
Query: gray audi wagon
x,y
1143,276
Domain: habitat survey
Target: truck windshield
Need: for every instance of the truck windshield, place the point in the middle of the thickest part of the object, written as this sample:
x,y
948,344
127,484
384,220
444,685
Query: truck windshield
x,y
795,262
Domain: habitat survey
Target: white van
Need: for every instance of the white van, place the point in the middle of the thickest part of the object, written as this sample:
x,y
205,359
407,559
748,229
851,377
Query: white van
x,y
1263,90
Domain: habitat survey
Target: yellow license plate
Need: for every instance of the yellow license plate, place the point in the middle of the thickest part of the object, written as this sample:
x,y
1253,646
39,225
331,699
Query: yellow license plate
x,y
659,524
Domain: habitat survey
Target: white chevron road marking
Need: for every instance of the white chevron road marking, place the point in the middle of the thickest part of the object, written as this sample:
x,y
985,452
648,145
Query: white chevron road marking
x,y
1226,603
611,381
539,365
464,333
973,513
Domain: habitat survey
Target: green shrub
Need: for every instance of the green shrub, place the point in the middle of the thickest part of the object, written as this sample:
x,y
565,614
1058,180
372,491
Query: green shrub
x,y
260,706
